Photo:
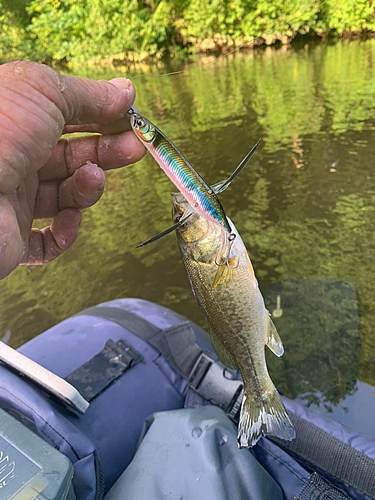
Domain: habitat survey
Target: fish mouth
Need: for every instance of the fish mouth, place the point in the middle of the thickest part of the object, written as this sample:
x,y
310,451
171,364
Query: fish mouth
x,y
195,228
180,205
179,198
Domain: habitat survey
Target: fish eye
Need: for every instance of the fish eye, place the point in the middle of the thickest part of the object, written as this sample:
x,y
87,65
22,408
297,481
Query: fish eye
x,y
178,218
140,122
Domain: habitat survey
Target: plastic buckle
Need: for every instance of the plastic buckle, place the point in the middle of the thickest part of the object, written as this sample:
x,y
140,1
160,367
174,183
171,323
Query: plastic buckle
x,y
215,383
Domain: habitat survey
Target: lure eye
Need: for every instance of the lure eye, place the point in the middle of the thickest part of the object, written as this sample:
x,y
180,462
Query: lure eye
x,y
144,129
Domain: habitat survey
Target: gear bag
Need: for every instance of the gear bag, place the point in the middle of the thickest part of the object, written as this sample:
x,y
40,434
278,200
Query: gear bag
x,y
160,366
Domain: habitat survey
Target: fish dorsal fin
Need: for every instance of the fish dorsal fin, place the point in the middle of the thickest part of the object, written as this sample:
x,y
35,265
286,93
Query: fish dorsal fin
x,y
222,352
273,340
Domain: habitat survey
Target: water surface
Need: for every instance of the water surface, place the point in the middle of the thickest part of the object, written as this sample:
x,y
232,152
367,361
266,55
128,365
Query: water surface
x,y
304,208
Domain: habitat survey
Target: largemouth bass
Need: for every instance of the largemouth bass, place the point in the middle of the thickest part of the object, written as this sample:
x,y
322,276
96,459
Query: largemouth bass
x,y
240,324
200,197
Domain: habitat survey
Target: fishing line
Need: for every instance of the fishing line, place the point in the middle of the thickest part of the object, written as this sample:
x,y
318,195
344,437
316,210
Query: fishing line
x,y
222,56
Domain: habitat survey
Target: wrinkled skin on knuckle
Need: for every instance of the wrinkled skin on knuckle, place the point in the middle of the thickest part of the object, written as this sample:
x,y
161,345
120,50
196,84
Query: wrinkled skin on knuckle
x,y
30,102
13,166
101,102
41,83
50,84
39,77
47,81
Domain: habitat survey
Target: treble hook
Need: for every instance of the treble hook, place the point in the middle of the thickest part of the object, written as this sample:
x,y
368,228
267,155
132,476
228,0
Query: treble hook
x,y
231,239
131,111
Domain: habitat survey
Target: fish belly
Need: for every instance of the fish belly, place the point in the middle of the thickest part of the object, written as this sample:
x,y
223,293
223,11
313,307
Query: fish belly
x,y
238,319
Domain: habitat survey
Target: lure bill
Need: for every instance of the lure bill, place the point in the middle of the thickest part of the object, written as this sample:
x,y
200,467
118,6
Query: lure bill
x,y
240,325
201,198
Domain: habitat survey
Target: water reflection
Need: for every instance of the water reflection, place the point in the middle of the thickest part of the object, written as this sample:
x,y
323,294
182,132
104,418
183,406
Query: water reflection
x,y
354,411
300,218
320,322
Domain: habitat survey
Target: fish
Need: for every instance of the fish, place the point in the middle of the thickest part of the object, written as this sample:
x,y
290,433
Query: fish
x,y
240,325
201,198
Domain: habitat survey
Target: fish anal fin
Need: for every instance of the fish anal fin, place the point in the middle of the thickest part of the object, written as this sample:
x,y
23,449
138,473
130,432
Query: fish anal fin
x,y
273,340
222,352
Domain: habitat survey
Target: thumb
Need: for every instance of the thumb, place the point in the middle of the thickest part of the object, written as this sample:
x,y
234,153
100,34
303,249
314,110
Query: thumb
x,y
39,102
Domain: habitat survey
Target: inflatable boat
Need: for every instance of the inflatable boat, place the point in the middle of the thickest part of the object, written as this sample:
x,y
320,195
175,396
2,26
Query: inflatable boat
x,y
127,400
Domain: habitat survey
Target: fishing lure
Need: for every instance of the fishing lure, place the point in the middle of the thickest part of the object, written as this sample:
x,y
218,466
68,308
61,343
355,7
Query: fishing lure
x,y
202,198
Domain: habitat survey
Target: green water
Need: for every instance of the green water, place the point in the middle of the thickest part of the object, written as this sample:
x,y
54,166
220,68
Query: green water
x,y
304,208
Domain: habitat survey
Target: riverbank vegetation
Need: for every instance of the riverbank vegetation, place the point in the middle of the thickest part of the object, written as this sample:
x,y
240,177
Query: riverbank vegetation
x,y
109,32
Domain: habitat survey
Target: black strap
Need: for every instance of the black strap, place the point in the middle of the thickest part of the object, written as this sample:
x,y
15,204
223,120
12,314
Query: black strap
x,y
317,488
313,445
316,448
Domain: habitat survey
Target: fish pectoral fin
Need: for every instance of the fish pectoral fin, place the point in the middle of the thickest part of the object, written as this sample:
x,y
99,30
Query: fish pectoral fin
x,y
167,231
222,352
221,186
224,275
273,340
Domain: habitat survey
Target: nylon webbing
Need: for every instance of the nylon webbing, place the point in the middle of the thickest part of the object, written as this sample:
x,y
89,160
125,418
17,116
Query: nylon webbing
x,y
317,488
176,344
319,449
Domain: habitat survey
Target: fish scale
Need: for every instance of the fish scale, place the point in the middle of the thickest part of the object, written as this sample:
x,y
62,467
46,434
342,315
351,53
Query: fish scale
x,y
227,312
240,324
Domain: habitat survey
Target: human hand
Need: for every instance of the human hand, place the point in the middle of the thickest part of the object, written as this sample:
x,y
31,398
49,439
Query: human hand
x,y
44,176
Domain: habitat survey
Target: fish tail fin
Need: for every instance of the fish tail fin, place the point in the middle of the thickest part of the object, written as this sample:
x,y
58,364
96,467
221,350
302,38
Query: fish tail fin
x,y
264,417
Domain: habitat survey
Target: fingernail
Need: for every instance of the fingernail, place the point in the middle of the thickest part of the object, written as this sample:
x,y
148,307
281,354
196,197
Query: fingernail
x,y
100,175
121,83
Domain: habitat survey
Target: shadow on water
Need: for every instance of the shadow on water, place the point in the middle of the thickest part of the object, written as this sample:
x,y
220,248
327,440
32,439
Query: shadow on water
x,y
304,208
